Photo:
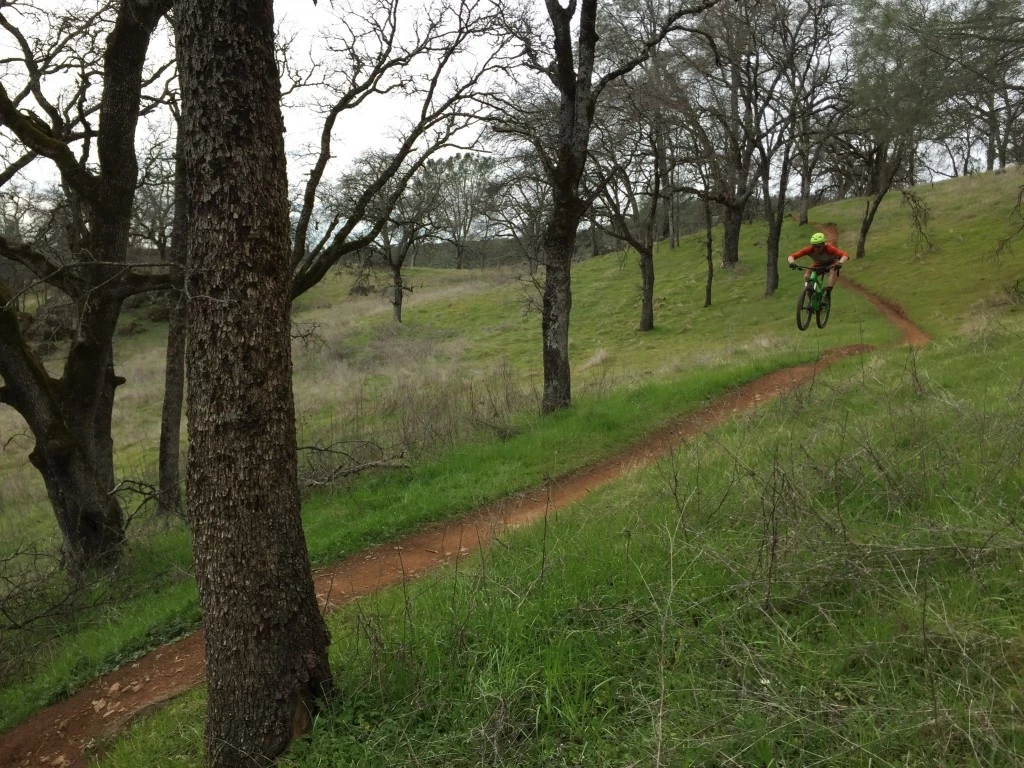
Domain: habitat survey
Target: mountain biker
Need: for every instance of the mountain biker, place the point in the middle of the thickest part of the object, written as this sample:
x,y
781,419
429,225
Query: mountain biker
x,y
823,255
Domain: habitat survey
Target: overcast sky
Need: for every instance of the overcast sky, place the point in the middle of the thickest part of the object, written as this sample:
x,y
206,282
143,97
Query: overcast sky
x,y
371,126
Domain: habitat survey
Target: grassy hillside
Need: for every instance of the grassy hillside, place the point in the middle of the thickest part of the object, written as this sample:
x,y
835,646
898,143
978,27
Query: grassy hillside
x,y
467,334
356,378
454,388
831,580
948,283
834,580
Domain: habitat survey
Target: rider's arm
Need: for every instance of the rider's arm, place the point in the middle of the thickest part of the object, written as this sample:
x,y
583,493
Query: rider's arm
x,y
798,254
843,256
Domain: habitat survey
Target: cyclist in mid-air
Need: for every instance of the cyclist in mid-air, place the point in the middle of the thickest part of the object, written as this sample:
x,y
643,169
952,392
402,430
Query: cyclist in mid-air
x,y
823,254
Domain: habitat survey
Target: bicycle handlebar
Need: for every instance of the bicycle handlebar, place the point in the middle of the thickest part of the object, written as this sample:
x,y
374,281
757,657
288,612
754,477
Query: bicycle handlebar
x,y
794,265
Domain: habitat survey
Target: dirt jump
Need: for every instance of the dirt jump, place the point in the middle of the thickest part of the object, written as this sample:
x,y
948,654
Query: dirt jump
x,y
63,734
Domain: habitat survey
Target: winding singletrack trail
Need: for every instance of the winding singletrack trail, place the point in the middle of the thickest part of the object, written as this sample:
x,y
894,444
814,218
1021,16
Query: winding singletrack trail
x,y
893,312
60,735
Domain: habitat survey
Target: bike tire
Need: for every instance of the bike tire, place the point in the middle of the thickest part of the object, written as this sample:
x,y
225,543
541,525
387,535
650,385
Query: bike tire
x,y
824,308
804,308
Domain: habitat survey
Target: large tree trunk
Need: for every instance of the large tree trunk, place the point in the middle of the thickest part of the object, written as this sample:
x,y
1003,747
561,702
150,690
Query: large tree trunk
x,y
399,294
266,642
870,208
88,515
559,244
169,499
557,304
732,222
710,252
646,290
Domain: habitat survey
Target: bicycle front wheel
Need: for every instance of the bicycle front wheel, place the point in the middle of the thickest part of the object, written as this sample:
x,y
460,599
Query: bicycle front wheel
x,y
805,308
824,307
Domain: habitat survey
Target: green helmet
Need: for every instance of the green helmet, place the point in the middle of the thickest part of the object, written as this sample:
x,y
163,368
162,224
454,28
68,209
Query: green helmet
x,y
818,238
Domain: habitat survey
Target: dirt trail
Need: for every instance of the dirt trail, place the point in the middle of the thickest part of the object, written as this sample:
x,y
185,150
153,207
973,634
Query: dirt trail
x,y
892,311
60,735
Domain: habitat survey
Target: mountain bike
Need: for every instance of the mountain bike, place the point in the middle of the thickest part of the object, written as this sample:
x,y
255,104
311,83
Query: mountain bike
x,y
813,299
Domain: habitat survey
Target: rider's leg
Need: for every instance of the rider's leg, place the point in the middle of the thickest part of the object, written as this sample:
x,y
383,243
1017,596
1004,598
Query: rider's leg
x,y
833,277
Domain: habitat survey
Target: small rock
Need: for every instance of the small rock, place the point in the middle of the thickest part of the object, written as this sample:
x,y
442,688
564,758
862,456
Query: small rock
x,y
99,704
113,689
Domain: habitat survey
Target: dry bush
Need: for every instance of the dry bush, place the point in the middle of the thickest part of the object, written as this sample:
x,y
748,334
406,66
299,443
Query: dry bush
x,y
422,412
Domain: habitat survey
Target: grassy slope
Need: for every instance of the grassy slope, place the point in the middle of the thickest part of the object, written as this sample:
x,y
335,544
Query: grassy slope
x,y
648,627
834,580
943,288
457,326
831,580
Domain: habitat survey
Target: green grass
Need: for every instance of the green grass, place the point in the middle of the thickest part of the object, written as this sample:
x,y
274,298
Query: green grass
x,y
345,521
949,287
626,383
833,579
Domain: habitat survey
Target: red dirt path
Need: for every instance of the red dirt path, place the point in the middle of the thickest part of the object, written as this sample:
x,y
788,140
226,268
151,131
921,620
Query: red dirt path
x,y
59,736
892,311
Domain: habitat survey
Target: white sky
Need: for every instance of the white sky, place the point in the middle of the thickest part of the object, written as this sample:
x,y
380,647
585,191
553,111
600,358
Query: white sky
x,y
371,126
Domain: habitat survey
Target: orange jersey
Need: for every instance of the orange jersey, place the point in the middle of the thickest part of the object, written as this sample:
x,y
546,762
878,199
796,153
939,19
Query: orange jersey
x,y
828,255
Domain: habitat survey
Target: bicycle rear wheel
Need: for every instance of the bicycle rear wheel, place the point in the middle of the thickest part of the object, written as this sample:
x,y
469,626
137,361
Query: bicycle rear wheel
x,y
804,308
824,307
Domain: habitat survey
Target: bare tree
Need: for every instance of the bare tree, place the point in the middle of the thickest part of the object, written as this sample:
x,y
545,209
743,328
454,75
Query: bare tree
x,y
158,221
266,642
465,193
366,56
796,43
722,102
558,129
895,101
409,223
629,171
522,202
70,416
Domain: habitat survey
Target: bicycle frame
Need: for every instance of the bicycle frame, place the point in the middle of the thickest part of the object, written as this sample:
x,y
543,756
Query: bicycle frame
x,y
817,280
813,301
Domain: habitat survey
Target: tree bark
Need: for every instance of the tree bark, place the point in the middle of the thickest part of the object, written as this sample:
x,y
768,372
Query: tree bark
x,y
169,499
399,295
557,304
710,252
732,222
646,290
88,515
266,642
